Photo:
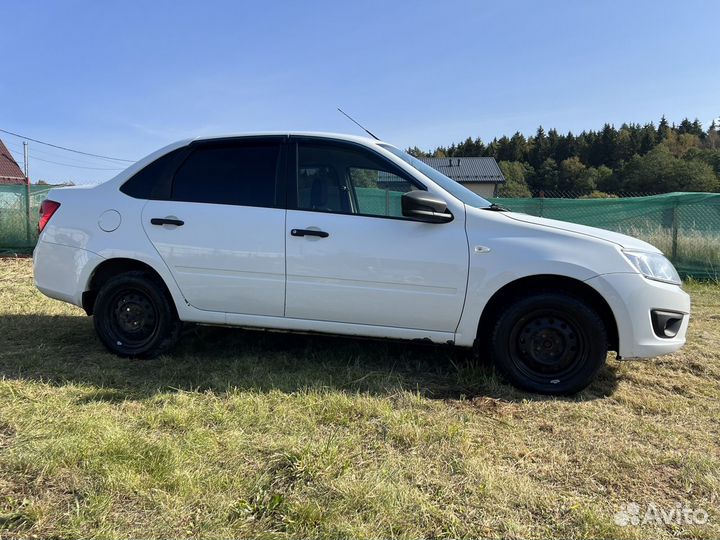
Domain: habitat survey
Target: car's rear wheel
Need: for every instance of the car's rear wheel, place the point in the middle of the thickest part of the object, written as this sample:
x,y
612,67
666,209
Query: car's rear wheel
x,y
133,316
550,343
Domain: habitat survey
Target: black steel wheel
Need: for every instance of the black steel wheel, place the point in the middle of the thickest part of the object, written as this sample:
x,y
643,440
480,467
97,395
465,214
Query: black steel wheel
x,y
133,316
549,343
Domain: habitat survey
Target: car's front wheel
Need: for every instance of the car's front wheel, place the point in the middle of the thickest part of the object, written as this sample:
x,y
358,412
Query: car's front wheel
x,y
133,316
549,342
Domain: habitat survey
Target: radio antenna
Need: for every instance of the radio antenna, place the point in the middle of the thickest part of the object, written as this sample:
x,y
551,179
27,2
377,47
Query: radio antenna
x,y
358,124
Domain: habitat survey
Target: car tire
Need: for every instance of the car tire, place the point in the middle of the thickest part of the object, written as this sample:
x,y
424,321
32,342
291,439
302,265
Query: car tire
x,y
134,316
550,343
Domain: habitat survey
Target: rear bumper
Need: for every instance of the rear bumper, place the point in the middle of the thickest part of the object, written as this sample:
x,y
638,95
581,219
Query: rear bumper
x,y
61,272
632,299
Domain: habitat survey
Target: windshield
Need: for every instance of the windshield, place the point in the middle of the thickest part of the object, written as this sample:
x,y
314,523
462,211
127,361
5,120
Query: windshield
x,y
448,184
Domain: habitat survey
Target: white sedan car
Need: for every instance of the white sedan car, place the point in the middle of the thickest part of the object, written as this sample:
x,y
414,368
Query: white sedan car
x,y
338,234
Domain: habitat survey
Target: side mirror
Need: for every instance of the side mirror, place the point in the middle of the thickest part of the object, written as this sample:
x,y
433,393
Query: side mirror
x,y
424,206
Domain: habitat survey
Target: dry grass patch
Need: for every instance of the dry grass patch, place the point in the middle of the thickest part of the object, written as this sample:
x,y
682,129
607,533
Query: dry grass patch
x,y
240,434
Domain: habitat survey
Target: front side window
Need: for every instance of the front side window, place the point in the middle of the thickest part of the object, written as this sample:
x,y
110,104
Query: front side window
x,y
349,181
238,174
448,184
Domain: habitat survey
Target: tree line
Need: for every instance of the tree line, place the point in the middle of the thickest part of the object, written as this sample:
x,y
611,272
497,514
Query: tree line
x,y
632,159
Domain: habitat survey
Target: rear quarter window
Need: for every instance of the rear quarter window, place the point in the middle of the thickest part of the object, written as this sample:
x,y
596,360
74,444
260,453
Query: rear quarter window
x,y
149,182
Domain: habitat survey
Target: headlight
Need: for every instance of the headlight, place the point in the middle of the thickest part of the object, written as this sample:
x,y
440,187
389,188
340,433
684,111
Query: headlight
x,y
653,266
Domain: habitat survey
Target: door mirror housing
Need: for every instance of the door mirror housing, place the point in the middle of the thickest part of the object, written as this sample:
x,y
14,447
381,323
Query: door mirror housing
x,y
424,206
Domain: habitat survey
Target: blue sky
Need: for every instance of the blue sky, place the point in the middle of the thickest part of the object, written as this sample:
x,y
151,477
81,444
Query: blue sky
x,y
126,78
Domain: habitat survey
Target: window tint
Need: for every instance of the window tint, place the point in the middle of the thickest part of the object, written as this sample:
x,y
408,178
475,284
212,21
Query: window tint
x,y
320,188
241,174
377,192
345,180
144,183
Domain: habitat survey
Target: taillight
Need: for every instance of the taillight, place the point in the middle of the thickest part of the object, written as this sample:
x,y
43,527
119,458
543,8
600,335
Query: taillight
x,y
47,209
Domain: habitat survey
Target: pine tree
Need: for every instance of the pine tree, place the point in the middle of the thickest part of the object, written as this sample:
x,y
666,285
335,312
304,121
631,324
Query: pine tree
x,y
503,149
417,152
518,148
610,159
567,147
696,129
685,126
607,147
540,147
648,138
664,130
553,144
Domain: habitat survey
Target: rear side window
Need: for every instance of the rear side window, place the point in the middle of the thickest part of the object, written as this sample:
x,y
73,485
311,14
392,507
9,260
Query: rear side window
x,y
239,174
150,181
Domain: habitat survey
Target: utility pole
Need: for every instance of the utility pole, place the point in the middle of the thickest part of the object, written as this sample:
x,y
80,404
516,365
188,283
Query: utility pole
x,y
27,194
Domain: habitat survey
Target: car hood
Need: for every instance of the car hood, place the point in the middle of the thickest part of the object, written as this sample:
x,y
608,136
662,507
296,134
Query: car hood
x,y
623,240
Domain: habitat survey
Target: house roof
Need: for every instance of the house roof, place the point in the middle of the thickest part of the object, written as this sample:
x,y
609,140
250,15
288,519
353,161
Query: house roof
x,y
468,169
10,172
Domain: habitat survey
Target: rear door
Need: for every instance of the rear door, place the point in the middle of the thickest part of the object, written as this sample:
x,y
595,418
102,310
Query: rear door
x,y
351,255
221,228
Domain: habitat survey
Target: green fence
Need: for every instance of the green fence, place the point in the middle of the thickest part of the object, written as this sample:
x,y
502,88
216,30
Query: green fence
x,y
685,226
379,202
18,220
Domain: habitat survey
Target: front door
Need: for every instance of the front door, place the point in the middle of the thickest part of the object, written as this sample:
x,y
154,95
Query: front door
x,y
222,233
351,255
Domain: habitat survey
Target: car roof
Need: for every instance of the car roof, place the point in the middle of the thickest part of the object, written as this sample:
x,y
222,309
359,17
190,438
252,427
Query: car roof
x,y
140,164
317,134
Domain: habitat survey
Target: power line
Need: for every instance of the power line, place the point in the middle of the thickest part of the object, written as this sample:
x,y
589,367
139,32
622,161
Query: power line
x,y
77,166
51,153
71,165
65,148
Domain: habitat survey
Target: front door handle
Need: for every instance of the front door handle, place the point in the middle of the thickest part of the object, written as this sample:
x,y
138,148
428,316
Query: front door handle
x,y
309,232
167,221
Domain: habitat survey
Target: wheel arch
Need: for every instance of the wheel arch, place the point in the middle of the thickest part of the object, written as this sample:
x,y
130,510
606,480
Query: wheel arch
x,y
110,268
548,282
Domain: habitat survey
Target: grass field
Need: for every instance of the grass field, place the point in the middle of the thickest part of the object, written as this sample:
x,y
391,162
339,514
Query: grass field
x,y
248,434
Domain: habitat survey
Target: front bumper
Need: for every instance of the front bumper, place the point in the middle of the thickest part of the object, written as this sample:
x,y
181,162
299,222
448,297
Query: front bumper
x,y
632,299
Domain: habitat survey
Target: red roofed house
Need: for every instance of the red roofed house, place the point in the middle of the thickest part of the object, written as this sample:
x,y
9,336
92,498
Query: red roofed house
x,y
10,172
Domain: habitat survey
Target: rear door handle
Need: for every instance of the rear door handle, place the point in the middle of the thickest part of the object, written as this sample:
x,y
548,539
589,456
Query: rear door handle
x,y
167,221
309,232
